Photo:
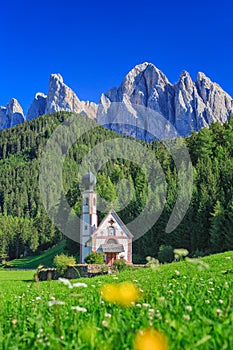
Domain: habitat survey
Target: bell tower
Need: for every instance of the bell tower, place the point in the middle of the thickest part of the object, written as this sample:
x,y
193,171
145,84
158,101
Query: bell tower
x,y
89,220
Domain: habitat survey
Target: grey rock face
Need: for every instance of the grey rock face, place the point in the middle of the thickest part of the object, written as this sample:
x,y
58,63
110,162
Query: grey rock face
x,y
187,105
37,107
62,98
11,115
145,102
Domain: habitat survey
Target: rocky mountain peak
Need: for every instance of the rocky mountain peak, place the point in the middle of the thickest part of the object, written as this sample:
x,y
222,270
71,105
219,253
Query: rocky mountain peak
x,y
11,115
37,107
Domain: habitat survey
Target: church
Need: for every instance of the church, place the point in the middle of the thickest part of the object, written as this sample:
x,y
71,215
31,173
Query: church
x,y
111,237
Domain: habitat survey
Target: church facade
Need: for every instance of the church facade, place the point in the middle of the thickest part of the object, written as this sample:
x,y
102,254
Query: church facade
x,y
111,237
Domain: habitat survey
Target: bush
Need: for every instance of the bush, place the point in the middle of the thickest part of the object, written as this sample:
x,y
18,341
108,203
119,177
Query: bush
x,y
94,258
120,264
165,254
62,261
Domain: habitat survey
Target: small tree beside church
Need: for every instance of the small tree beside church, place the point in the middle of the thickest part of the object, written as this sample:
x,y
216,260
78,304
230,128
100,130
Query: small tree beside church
x,y
94,258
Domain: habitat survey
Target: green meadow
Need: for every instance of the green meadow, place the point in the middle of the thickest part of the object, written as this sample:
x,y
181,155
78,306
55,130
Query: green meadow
x,y
189,301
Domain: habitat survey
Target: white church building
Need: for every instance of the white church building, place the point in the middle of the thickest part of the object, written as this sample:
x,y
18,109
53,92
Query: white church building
x,y
111,238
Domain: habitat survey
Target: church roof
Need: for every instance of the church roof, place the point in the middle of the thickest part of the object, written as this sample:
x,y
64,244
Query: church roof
x,y
112,248
118,219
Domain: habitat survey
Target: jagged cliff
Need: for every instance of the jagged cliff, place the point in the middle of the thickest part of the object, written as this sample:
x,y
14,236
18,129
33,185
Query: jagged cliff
x,y
145,99
187,105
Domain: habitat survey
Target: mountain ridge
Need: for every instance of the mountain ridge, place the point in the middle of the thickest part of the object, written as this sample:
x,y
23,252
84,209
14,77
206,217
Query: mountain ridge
x,y
187,105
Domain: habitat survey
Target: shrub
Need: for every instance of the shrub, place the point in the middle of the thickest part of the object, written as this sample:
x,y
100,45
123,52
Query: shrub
x,y
94,258
62,261
165,254
120,264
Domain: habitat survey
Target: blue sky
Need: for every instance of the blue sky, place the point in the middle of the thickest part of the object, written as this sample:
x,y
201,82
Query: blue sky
x,y
93,44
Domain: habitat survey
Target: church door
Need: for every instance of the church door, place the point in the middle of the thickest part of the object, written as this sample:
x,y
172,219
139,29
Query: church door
x,y
110,258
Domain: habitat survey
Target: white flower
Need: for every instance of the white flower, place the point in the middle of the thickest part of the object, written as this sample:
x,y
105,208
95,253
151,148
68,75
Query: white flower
x,y
151,312
188,308
145,305
162,299
79,284
79,308
177,272
228,258
207,301
105,323
136,281
220,301
138,305
219,311
186,317
107,315
65,281
115,278
38,298
55,302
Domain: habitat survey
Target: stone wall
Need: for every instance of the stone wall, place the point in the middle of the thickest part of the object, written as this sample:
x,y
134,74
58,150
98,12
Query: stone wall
x,y
73,272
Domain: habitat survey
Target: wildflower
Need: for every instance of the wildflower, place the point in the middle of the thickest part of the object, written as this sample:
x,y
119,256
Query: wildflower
x,y
138,305
162,299
108,315
177,272
228,258
151,313
188,308
79,308
220,301
55,302
79,284
219,312
207,301
14,321
105,323
115,278
186,317
123,294
150,339
145,305
38,298
226,285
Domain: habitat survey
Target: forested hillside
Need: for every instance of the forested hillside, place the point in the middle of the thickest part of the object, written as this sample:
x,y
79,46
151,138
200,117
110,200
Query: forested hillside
x,y
207,226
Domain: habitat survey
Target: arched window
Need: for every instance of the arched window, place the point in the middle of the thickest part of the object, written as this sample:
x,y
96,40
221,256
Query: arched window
x,y
94,201
111,231
112,240
86,201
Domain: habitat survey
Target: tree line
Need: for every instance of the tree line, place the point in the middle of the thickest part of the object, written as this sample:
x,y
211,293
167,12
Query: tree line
x,y
207,227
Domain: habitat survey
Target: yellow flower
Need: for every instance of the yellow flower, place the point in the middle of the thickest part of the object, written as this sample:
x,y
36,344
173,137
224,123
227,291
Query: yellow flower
x,y
150,339
109,292
123,294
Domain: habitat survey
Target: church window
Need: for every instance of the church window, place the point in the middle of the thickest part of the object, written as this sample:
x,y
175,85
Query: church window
x,y
94,201
85,228
86,201
111,231
111,240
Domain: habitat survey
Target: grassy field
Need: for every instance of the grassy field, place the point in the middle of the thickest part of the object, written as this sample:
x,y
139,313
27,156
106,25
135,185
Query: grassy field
x,y
189,302
45,259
